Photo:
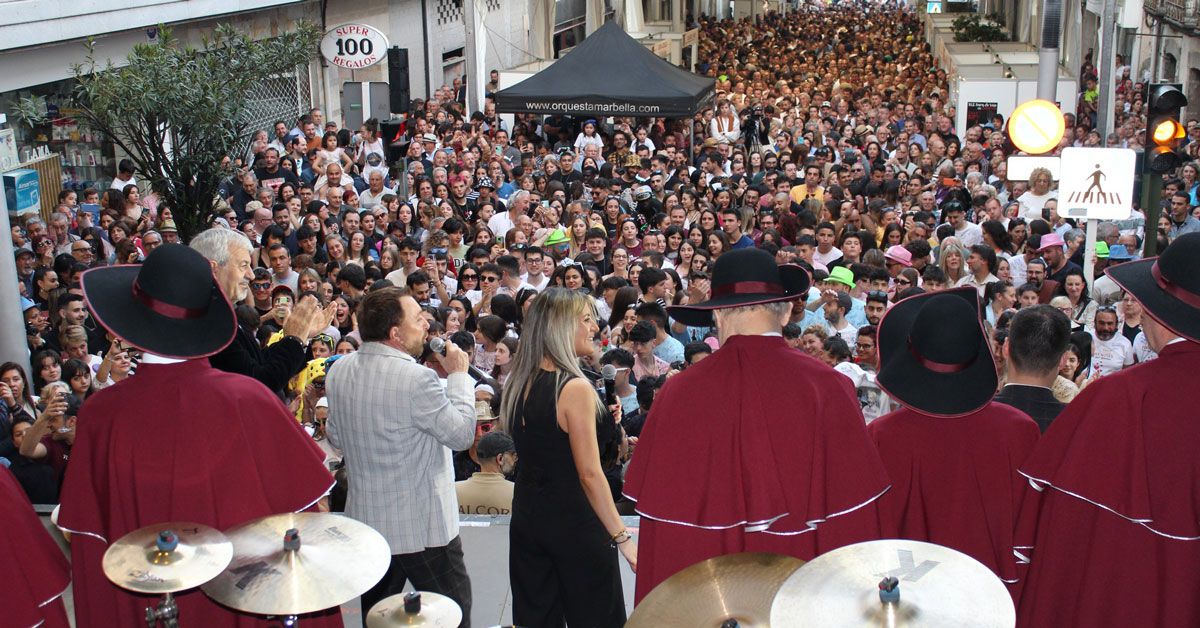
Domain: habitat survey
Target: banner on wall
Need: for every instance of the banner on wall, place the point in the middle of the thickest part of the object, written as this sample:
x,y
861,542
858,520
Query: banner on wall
x,y
981,112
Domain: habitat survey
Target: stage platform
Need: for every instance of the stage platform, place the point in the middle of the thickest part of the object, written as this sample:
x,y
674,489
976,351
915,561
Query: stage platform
x,y
485,546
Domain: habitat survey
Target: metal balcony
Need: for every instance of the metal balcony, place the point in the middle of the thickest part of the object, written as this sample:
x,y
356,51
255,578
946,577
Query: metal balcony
x,y
1183,13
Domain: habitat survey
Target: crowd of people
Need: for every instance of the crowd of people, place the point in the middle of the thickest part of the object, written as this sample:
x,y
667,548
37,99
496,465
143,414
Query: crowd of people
x,y
831,146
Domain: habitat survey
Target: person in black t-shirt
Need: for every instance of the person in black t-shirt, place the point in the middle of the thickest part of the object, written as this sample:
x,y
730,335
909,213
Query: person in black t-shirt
x,y
270,174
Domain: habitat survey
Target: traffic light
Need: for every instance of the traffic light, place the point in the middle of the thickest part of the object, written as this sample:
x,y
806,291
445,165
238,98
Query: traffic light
x,y
1164,131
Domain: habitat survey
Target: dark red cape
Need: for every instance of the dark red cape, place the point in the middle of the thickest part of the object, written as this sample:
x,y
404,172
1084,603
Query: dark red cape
x,y
955,480
180,442
755,448
35,569
1115,539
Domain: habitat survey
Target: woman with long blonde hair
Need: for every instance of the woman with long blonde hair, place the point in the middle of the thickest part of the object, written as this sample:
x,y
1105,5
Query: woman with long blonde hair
x,y
952,258
565,530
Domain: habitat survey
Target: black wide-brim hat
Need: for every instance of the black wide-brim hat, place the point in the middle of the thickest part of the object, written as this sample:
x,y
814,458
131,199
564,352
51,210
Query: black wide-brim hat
x,y
744,277
1168,286
171,305
934,356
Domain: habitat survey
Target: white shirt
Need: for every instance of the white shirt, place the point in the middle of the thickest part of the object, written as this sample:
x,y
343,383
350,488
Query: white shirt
x,y
825,258
1112,355
849,333
373,158
969,234
1031,204
1018,270
118,184
1141,348
367,200
500,224
969,280
537,285
398,277
603,309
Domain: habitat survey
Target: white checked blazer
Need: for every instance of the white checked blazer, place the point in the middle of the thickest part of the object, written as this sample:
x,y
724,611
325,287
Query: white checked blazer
x,y
396,428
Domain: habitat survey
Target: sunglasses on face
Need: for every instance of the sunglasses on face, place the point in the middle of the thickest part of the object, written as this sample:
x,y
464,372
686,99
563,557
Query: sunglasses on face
x,y
468,277
489,279
260,286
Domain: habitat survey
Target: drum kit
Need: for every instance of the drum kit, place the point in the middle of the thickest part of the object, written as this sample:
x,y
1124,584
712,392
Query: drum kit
x,y
890,583
283,566
280,567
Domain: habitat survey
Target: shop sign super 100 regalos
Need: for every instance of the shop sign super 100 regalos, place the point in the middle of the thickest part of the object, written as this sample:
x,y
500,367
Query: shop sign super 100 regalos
x,y
354,46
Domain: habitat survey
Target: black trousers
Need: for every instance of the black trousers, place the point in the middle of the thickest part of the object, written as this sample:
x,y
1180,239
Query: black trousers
x,y
560,563
436,569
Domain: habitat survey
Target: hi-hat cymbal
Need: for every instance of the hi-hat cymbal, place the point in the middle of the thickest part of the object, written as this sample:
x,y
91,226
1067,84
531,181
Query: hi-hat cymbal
x,y
329,560
167,557
937,587
709,593
417,608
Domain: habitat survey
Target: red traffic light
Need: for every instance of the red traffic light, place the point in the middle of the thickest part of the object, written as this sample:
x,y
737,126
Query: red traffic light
x,y
1167,98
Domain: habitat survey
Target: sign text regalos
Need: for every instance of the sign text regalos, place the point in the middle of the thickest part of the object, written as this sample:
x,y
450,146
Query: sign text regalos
x,y
354,46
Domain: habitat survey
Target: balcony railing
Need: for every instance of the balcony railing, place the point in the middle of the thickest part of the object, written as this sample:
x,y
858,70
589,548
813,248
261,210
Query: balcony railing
x,y
1185,13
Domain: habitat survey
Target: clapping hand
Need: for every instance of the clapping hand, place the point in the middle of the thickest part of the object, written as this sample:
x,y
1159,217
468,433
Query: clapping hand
x,y
698,290
308,318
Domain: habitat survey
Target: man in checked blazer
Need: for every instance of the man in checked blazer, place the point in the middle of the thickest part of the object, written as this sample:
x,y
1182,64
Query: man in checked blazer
x,y
397,427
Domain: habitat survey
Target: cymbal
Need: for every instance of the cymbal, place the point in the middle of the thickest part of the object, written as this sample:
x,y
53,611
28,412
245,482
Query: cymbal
x,y
167,557
329,560
936,587
428,609
710,592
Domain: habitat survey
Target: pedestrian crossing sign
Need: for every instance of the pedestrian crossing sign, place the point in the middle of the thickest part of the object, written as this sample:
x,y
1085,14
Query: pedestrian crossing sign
x,y
1096,183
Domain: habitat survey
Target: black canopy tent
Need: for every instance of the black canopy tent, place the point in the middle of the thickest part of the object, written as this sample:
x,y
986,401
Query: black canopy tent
x,y
609,74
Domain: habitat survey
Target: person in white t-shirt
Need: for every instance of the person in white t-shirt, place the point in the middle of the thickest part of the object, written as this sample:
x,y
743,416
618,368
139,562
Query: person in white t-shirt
x,y
968,233
518,205
1141,348
1111,351
535,276
826,253
1033,200
124,175
835,318
371,156
373,195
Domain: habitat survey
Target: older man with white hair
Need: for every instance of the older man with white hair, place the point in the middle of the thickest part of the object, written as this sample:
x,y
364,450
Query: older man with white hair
x,y
375,191
60,230
518,205
228,252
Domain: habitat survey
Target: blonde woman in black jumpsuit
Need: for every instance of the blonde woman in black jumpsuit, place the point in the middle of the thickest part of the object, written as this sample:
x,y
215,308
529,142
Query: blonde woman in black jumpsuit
x,y
565,532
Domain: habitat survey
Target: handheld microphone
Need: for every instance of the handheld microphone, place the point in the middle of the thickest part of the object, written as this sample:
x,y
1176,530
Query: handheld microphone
x,y
609,373
438,346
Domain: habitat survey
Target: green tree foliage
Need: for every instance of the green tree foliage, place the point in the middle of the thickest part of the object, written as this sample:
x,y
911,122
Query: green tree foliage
x,y
973,27
179,110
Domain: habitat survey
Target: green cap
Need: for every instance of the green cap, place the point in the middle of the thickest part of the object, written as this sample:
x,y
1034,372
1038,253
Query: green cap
x,y
1102,249
558,236
842,275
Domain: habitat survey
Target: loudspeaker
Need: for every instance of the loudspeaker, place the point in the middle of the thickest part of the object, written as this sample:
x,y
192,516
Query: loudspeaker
x,y
398,79
394,140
